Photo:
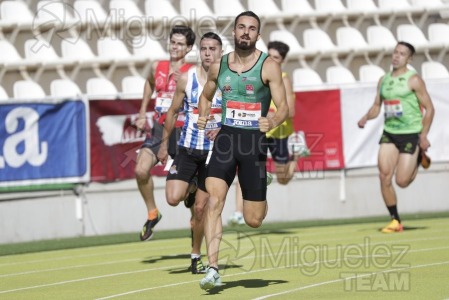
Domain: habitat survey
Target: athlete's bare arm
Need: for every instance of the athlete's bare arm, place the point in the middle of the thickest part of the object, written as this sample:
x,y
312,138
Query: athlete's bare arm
x,y
374,110
271,74
419,87
171,116
207,95
291,98
147,93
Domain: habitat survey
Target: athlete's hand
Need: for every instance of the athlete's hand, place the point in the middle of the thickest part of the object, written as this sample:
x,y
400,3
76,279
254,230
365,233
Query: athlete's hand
x,y
212,134
362,122
424,143
162,154
265,124
202,123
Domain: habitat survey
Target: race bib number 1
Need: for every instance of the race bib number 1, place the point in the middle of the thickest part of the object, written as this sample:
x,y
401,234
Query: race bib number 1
x,y
163,102
243,115
393,109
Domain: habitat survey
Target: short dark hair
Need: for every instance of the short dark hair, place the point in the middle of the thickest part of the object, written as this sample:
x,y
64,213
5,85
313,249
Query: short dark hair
x,y
185,31
281,47
212,35
248,13
409,46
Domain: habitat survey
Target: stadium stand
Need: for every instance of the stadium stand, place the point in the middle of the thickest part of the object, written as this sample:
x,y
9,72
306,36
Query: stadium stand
x,y
157,10
434,70
339,75
132,86
370,73
268,10
196,9
101,88
228,8
305,78
125,9
28,89
3,95
91,12
64,88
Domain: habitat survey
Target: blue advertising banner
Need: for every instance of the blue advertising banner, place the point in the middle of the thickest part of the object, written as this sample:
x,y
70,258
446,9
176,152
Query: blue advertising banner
x,y
44,142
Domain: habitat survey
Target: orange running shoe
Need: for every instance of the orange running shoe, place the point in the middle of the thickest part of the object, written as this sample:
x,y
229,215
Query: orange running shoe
x,y
393,226
423,159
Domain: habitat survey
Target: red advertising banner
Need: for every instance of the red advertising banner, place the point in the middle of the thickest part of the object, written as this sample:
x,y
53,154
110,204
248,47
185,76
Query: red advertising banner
x,y
114,141
318,114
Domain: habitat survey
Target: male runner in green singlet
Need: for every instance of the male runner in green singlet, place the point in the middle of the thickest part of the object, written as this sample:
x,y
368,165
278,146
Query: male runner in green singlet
x,y
404,140
248,80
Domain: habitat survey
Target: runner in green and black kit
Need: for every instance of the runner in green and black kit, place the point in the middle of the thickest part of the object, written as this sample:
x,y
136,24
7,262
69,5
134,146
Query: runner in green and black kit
x,y
404,140
248,80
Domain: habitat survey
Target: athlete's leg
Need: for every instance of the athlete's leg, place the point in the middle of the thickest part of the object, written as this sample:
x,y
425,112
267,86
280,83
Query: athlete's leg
x,y
254,212
387,161
213,228
176,191
407,168
145,161
201,199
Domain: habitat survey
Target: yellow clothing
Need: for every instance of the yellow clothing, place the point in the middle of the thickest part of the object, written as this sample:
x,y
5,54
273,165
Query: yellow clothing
x,y
286,128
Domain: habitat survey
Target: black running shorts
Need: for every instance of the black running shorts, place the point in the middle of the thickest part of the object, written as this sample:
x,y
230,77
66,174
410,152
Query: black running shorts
x,y
279,150
153,142
405,143
243,149
187,163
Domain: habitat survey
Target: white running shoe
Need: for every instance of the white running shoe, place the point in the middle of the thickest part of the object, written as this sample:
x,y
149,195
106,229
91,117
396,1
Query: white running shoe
x,y
297,144
211,280
236,219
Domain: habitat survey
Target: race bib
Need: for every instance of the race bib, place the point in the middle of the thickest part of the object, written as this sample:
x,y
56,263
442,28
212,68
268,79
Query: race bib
x,y
243,115
393,109
163,102
214,120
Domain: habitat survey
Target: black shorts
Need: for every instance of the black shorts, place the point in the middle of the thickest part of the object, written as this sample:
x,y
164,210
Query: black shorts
x,y
405,143
187,163
279,150
247,150
153,142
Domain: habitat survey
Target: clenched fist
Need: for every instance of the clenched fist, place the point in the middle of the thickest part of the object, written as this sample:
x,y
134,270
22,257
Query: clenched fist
x,y
202,123
265,124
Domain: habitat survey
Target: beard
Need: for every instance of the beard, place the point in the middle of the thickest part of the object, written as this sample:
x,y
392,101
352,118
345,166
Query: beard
x,y
244,44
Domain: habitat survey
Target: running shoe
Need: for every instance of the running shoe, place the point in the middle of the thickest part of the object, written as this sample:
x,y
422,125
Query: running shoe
x,y
236,219
269,178
190,200
423,159
211,280
147,231
197,266
393,226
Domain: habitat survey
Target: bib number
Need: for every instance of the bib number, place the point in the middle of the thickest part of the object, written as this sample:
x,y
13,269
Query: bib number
x,y
393,109
243,115
163,102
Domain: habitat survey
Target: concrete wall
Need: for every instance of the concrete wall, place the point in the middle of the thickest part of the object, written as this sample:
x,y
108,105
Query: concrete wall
x,y
118,208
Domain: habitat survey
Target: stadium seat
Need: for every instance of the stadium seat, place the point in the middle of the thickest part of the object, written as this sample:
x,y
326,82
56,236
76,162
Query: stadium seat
x,y
362,5
3,95
101,88
370,73
78,50
228,8
16,13
64,88
9,53
439,33
195,9
288,38
318,39
90,11
330,6
339,75
428,3
40,50
396,5
157,10
381,36
147,47
193,56
305,77
28,89
115,49
268,10
124,9
297,7
349,37
412,34
57,14
434,70
132,86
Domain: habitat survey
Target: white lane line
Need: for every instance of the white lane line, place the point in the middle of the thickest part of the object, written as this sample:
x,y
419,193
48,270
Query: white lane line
x,y
254,271
348,278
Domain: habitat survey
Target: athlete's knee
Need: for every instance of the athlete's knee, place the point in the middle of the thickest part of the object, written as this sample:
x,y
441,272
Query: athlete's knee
x,y
142,174
254,222
173,198
403,182
385,178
